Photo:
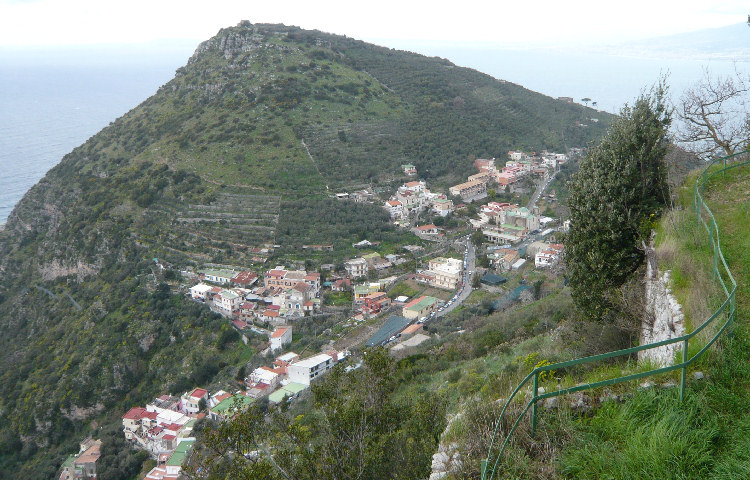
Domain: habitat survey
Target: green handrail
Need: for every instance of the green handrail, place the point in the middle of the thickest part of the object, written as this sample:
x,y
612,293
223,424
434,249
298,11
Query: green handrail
x,y
703,212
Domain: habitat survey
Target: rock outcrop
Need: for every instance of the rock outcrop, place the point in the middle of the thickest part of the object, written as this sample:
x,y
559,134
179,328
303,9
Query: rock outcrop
x,y
663,318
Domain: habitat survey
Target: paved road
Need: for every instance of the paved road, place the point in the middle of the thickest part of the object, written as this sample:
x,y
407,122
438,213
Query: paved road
x,y
539,190
465,290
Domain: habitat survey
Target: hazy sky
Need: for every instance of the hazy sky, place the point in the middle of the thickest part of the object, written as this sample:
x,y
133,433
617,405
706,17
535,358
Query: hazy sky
x,y
389,22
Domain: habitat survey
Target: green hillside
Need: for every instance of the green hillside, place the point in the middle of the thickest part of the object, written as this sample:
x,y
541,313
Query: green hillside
x,y
240,150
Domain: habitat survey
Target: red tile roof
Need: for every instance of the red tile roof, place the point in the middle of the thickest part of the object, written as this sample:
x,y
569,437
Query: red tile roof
x,y
223,396
411,329
245,277
135,413
199,393
414,302
279,332
302,287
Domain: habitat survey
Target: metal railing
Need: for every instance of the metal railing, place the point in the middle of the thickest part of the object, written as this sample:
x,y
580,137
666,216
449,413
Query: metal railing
x,y
728,285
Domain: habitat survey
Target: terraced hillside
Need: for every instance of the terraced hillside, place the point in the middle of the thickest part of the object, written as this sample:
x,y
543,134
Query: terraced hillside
x,y
232,224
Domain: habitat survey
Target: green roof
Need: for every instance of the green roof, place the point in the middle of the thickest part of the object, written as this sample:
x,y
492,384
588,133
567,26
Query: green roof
x,y
229,403
294,387
219,272
425,302
178,457
492,279
286,391
371,255
68,463
361,289
278,396
508,226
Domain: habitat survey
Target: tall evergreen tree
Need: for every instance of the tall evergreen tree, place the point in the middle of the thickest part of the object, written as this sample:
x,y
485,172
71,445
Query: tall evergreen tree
x,y
614,198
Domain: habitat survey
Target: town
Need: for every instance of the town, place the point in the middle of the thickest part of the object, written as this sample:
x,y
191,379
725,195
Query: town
x,y
476,240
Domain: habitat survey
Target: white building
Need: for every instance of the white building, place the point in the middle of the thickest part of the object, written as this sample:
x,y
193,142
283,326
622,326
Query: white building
x,y
545,259
356,267
190,401
265,375
227,301
281,336
395,208
447,272
219,276
304,371
200,291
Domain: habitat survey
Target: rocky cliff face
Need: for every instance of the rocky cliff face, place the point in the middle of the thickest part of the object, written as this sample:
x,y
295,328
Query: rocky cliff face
x,y
663,319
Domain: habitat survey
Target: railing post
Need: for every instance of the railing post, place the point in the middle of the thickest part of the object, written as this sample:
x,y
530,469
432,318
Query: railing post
x,y
714,245
533,408
684,368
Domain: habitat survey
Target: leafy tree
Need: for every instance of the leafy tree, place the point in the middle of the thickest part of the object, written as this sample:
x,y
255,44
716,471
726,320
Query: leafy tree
x,y
477,238
118,461
614,198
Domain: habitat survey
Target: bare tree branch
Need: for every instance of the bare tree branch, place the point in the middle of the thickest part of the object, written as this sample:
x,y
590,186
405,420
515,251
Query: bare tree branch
x,y
715,115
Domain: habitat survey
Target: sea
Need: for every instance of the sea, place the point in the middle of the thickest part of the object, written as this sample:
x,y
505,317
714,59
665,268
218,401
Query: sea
x,y
53,100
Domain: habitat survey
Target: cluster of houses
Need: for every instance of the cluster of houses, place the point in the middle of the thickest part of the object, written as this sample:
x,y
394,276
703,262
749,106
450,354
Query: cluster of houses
x,y
413,197
506,257
371,297
407,327
503,223
288,375
164,427
360,266
548,255
284,294
518,166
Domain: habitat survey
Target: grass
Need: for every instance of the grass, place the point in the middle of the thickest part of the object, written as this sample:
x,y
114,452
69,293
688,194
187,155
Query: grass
x,y
653,435
338,298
